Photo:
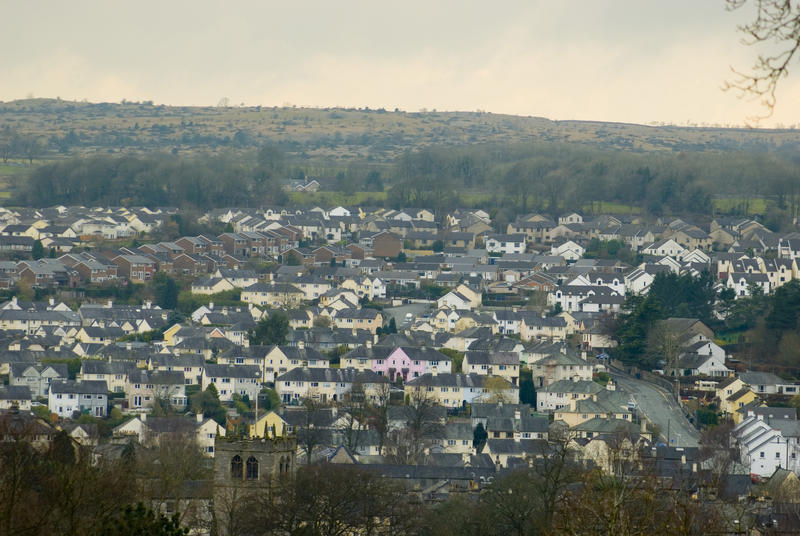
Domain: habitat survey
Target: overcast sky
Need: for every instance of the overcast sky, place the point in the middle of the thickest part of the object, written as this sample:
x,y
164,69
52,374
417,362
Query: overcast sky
x,y
626,60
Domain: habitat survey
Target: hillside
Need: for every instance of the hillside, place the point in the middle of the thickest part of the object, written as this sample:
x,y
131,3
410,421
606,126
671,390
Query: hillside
x,y
66,127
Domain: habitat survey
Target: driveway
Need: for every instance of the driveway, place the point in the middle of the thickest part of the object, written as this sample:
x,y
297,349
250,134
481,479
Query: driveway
x,y
399,313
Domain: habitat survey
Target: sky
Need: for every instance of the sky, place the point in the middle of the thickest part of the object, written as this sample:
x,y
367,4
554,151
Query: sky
x,y
639,61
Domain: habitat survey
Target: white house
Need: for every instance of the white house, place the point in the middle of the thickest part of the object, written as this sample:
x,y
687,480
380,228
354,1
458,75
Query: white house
x,y
67,397
768,444
233,379
505,243
666,247
569,250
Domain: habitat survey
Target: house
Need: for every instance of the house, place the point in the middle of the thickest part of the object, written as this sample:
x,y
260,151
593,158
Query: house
x,y
244,380
269,425
564,394
13,396
696,364
149,431
726,388
211,285
561,365
328,385
458,390
569,250
735,402
666,247
463,297
410,362
505,243
65,398
366,318
742,283
273,294
492,363
789,248
114,373
767,383
604,404
535,327
385,244
766,445
136,268
363,357
37,378
144,388
573,217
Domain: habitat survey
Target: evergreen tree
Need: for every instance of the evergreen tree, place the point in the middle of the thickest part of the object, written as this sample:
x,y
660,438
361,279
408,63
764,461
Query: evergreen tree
x,y
38,250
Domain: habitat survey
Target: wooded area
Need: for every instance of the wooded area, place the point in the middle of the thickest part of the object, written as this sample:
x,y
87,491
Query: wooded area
x,y
549,177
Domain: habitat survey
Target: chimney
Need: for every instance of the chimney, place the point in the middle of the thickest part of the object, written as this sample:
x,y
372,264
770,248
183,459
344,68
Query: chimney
x,y
368,344
52,302
199,417
110,303
14,301
683,459
335,411
301,344
143,417
610,386
466,459
211,306
694,467
644,426
517,415
148,304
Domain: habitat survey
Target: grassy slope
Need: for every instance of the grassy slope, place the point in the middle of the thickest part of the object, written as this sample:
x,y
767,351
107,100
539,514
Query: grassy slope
x,y
165,127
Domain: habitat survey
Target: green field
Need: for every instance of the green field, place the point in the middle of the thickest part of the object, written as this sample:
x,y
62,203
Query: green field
x,y
755,205
604,207
330,199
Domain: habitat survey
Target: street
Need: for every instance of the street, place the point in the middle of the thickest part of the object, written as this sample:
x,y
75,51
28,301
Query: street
x,y
661,408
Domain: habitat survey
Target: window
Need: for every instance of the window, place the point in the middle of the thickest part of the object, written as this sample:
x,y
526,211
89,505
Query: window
x,y
252,468
236,467
762,454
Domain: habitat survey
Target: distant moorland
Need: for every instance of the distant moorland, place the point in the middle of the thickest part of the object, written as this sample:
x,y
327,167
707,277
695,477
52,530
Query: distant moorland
x,y
56,151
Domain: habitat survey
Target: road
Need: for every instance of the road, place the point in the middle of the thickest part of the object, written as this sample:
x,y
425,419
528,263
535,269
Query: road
x,y
661,408
399,313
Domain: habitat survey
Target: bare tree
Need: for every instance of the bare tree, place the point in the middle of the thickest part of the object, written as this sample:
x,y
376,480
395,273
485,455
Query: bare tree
x,y
664,343
311,431
378,413
353,424
776,27
716,456
422,426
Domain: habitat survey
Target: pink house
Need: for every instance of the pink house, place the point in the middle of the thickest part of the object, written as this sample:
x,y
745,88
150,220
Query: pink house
x,y
411,362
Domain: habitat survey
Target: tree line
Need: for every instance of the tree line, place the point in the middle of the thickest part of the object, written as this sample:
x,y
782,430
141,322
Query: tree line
x,y
550,177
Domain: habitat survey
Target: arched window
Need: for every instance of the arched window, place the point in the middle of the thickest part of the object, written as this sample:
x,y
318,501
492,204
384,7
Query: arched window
x,y
252,468
288,463
236,467
280,466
